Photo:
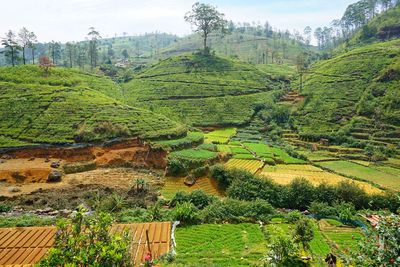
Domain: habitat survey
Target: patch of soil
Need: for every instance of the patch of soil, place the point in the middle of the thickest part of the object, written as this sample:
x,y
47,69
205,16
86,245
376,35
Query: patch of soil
x,y
25,171
89,188
114,177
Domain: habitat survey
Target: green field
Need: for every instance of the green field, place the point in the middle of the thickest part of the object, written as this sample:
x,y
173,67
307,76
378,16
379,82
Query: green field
x,y
219,245
219,136
385,179
196,154
189,140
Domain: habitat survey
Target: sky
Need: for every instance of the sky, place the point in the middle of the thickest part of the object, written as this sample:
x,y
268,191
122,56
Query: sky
x,y
69,20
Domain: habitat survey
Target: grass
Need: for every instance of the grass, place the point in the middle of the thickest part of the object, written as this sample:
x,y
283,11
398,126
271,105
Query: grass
x,y
385,179
202,90
174,185
267,152
219,245
25,221
196,154
190,139
351,85
53,109
284,174
219,136
250,165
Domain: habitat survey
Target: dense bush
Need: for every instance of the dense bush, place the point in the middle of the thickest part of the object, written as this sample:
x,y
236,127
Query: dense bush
x,y
101,131
85,240
176,167
186,213
198,198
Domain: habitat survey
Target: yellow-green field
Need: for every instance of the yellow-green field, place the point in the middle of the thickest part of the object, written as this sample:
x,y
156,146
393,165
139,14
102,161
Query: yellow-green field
x,y
284,174
220,136
250,165
174,185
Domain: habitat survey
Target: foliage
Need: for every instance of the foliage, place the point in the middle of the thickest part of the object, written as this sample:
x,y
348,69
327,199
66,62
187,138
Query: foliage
x,y
5,207
304,232
85,240
186,213
192,138
380,246
197,197
25,221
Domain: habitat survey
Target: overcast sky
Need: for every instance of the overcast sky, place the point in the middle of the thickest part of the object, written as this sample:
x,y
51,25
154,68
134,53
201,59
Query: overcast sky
x,y
69,20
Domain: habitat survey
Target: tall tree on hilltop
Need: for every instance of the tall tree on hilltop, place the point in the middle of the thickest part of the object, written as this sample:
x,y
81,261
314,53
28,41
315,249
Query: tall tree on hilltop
x,y
55,51
11,47
93,50
70,51
25,40
206,19
32,45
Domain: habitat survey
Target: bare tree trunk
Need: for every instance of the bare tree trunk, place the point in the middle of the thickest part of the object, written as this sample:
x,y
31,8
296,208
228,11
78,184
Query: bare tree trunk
x,y
205,42
12,57
33,56
23,54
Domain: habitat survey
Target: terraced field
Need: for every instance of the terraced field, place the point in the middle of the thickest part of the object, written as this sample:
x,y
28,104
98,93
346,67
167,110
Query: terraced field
x,y
68,105
219,136
249,165
174,185
219,245
196,154
386,177
189,140
202,90
284,174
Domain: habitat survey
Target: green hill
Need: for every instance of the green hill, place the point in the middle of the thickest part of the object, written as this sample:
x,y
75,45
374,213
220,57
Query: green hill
x,y
385,26
205,90
356,92
69,106
252,48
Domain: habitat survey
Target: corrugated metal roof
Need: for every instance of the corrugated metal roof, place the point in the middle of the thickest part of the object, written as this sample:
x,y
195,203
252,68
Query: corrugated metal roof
x,y
25,246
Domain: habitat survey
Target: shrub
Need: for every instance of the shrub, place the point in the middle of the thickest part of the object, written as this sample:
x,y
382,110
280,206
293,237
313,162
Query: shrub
x,y
5,207
186,213
294,216
85,240
101,131
176,167
198,198
220,174
236,211
200,172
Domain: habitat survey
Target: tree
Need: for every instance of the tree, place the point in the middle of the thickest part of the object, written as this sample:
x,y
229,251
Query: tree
x,y
125,54
85,240
307,32
302,64
11,47
304,232
93,50
26,39
282,251
45,63
381,244
55,51
70,50
206,19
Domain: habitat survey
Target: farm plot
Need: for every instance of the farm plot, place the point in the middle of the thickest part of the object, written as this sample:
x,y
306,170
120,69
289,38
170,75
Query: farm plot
x,y
219,245
269,153
174,185
196,154
249,165
385,179
316,156
189,140
220,136
284,174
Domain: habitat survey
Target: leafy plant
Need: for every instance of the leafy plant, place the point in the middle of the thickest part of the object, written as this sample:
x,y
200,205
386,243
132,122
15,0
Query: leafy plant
x,y
85,240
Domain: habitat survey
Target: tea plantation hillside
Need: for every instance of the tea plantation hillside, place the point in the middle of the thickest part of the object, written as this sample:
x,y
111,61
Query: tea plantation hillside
x,y
357,94
383,27
68,106
205,90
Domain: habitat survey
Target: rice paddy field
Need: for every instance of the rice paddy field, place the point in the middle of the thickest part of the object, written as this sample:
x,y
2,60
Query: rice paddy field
x,y
174,185
276,154
196,154
386,177
219,136
284,174
249,165
219,245
320,155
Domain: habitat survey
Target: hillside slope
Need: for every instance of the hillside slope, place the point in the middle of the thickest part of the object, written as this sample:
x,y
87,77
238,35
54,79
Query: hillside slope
x,y
357,93
204,90
69,106
383,27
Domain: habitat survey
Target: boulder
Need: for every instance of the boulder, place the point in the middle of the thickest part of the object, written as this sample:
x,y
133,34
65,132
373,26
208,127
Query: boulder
x,y
55,164
189,181
54,176
13,189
